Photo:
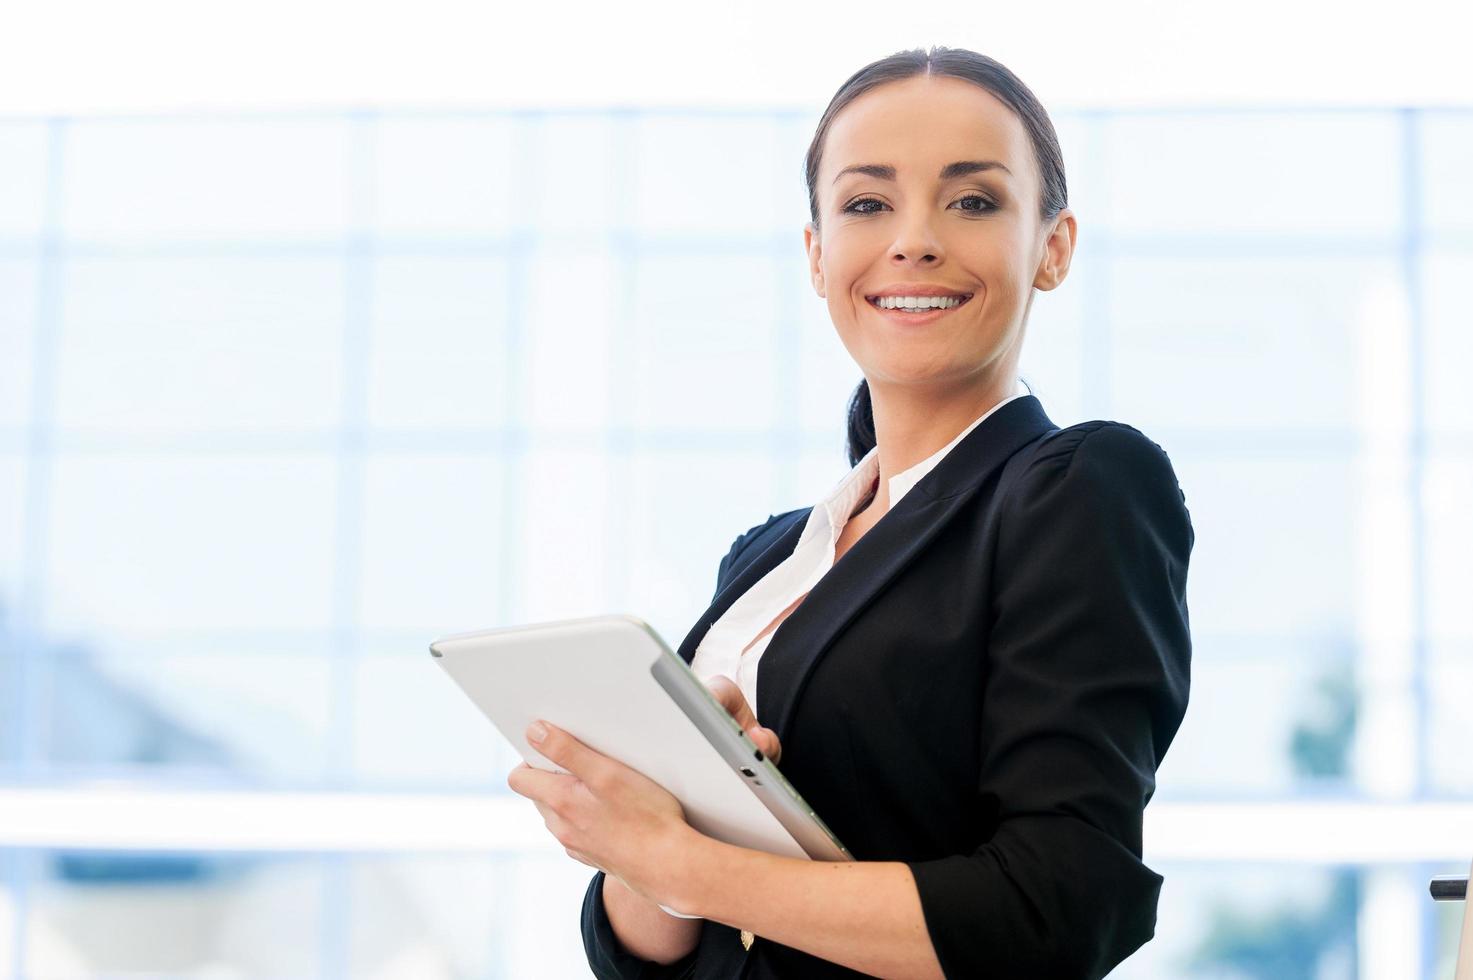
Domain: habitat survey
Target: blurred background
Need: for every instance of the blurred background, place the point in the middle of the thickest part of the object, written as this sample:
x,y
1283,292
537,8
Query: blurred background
x,y
326,330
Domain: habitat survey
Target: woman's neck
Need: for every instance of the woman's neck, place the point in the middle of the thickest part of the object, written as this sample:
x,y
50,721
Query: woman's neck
x,y
911,427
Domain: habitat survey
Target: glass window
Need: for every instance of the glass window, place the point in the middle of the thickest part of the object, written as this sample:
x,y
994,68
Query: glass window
x,y
703,352
134,706
1244,344
14,471
118,914
447,176
1446,490
1243,508
685,508
436,540
201,344
438,350
563,547
1446,149
793,133
710,177
574,317
1302,692
206,179
24,146
1450,721
1448,343
14,701
430,916
815,371
531,939
579,187
1241,172
1062,332
20,282
414,728
1251,921
166,541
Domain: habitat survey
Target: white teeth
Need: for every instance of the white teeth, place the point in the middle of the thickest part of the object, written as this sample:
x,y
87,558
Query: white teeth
x,y
918,302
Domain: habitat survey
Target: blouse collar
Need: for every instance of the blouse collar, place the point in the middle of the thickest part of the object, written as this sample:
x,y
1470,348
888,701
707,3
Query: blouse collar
x,y
856,486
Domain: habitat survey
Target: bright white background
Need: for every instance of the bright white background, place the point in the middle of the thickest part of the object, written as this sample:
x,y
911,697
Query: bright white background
x,y
96,56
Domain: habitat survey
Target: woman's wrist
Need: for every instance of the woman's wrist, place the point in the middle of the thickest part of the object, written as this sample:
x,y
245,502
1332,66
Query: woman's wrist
x,y
689,856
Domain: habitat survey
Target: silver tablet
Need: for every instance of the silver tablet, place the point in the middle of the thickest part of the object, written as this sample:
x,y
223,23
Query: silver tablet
x,y
615,685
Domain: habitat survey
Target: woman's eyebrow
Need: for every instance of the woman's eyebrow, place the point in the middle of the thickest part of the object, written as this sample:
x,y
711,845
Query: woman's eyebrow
x,y
884,171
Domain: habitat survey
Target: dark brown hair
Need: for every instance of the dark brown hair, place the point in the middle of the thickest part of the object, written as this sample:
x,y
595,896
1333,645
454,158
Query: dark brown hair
x,y
982,71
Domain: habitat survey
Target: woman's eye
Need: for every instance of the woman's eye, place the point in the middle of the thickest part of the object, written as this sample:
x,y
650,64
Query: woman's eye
x,y
853,206
983,205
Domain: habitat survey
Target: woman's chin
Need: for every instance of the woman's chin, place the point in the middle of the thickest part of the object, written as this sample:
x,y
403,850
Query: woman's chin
x,y
928,375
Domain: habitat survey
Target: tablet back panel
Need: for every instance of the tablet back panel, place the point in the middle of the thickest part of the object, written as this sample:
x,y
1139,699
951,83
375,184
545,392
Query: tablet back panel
x,y
595,679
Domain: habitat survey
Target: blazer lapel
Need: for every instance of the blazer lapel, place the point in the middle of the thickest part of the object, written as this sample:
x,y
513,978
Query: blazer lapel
x,y
899,536
751,573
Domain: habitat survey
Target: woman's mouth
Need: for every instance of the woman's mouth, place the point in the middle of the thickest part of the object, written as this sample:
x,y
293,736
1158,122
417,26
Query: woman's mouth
x,y
917,309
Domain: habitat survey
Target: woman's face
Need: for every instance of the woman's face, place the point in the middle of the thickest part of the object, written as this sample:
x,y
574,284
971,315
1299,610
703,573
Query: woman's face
x,y
915,223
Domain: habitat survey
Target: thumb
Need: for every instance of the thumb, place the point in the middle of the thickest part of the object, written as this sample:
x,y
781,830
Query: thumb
x,y
731,698
766,740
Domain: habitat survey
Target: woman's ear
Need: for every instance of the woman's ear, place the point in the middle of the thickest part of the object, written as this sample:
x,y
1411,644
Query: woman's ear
x,y
1058,251
813,245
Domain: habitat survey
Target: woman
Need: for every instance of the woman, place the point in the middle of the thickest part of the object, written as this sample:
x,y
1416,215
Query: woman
x,y
974,653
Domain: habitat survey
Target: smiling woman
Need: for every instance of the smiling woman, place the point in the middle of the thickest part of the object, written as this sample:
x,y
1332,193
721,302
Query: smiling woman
x,y
926,108
973,653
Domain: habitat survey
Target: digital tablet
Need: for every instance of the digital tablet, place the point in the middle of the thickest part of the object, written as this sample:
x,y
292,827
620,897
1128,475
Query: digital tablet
x,y
614,684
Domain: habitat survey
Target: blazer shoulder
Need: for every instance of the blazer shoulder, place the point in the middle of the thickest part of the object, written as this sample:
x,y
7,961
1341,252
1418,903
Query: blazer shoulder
x,y
1109,436
1103,456
1111,444
750,542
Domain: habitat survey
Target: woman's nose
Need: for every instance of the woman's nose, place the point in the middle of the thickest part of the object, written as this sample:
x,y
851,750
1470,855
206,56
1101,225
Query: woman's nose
x,y
917,241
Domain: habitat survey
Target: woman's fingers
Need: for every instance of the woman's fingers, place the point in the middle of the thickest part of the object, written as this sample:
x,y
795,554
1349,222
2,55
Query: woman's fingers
x,y
534,783
732,699
766,740
735,703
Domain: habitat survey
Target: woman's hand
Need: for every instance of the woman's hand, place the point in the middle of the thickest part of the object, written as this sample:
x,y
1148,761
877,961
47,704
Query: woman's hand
x,y
605,814
732,699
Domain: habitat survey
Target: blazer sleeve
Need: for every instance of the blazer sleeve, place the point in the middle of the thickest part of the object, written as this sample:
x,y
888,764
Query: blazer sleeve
x,y
1089,659
608,958
606,955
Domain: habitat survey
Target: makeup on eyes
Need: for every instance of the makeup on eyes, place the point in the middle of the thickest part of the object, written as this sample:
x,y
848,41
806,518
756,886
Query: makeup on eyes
x,y
987,208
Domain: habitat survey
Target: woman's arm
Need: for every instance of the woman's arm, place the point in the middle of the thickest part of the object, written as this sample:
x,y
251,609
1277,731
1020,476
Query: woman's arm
x,y
624,933
861,914
865,915
713,865
640,925
1089,659
643,928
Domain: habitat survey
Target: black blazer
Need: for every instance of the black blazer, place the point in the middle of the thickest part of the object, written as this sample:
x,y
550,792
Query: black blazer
x,y
982,687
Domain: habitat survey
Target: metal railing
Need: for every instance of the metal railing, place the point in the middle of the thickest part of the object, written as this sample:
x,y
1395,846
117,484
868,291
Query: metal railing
x,y
1454,888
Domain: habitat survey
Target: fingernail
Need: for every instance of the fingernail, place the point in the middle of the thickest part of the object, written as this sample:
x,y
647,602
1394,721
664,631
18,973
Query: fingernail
x,y
536,731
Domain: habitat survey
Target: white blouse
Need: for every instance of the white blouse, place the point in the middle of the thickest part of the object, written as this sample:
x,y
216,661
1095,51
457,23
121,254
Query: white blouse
x,y
732,646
